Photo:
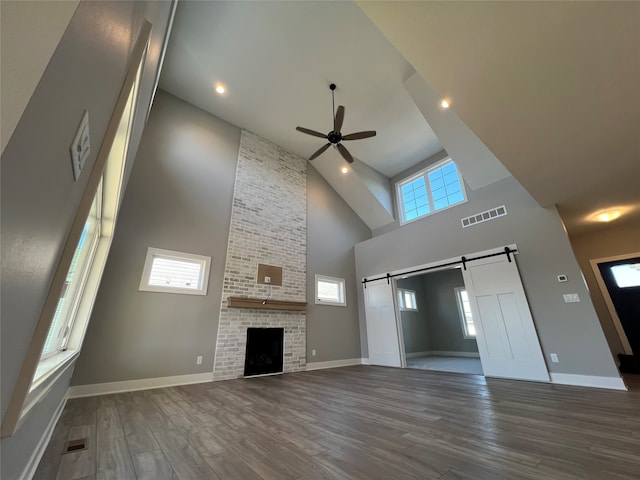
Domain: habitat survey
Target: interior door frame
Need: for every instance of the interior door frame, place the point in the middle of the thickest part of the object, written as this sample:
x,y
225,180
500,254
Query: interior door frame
x,y
398,313
403,353
399,273
607,298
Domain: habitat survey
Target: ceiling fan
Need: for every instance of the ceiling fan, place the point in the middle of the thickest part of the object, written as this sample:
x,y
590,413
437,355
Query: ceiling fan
x,y
335,137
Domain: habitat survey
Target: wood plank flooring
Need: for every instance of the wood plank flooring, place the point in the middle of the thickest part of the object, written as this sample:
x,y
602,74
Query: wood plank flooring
x,y
358,422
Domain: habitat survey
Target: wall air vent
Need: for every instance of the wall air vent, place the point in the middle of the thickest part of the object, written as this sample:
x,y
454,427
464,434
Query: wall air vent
x,y
500,211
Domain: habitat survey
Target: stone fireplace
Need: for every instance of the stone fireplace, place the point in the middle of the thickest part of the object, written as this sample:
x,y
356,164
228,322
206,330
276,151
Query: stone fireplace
x,y
268,225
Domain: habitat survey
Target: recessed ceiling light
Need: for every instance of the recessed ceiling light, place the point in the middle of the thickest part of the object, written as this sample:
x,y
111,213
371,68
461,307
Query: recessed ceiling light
x,y
344,170
607,216
445,103
220,88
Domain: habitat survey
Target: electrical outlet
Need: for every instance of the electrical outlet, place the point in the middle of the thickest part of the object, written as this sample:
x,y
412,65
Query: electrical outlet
x,y
554,357
313,352
571,298
267,280
199,360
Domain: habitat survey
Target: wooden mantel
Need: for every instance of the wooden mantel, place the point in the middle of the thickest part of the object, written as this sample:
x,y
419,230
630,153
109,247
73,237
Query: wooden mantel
x,y
271,304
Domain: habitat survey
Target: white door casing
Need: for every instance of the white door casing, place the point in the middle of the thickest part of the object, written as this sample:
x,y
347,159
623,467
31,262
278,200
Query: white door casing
x,y
505,332
382,328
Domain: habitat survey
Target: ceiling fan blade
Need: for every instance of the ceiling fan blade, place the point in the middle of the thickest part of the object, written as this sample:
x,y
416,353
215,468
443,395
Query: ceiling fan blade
x,y
345,153
320,151
359,135
337,121
311,132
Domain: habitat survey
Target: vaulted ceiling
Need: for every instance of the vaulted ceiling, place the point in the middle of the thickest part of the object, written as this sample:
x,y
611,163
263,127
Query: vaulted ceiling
x,y
550,89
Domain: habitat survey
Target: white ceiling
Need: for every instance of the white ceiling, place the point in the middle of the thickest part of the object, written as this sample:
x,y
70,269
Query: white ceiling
x,y
277,60
551,88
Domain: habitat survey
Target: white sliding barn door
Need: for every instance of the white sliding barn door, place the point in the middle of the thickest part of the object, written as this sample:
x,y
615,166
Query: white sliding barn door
x,y
382,329
506,336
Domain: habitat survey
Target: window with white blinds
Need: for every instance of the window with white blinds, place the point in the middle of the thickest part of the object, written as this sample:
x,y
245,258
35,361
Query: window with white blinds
x,y
330,291
175,272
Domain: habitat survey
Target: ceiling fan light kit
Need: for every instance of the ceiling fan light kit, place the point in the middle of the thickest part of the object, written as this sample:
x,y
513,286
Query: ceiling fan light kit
x,y
335,137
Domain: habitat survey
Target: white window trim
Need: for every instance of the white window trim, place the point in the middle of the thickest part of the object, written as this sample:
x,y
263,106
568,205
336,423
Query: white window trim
x,y
342,288
424,172
463,318
401,303
152,252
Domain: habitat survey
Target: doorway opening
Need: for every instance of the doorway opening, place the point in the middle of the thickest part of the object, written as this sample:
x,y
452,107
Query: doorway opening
x,y
506,336
619,281
436,323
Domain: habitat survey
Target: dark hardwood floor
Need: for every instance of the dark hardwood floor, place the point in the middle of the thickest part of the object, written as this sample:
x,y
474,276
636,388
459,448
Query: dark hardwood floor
x,y
352,423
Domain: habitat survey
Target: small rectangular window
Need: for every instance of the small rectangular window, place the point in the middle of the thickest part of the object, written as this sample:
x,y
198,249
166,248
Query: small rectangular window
x,y
175,272
464,308
407,300
330,291
435,188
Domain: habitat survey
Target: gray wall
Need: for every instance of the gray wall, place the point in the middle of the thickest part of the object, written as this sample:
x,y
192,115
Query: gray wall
x,y
39,196
415,325
609,241
445,326
570,330
179,198
332,230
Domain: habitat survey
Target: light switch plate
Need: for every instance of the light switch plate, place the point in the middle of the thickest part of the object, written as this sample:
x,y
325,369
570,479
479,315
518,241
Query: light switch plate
x,y
81,146
571,298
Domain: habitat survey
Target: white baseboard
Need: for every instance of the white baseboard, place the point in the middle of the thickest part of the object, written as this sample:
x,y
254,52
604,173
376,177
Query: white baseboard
x,y
613,383
133,385
443,353
37,454
440,353
417,354
365,361
334,363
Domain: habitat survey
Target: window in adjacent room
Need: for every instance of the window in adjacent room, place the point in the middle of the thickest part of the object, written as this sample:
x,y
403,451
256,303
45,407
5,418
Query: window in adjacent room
x,y
407,300
175,272
330,291
464,308
435,188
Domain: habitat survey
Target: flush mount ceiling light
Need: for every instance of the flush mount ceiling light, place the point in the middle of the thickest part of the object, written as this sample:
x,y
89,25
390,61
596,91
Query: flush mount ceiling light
x,y
607,216
445,103
344,169
220,88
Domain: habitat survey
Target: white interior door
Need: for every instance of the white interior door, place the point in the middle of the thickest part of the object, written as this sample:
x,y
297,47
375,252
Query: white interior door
x,y
382,328
507,338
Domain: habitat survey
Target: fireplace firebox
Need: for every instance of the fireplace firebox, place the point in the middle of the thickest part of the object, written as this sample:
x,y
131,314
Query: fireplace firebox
x,y
265,351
